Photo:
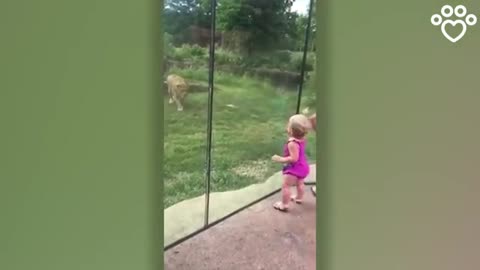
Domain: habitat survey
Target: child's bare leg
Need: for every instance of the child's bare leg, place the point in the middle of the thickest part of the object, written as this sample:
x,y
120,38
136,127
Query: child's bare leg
x,y
300,190
288,180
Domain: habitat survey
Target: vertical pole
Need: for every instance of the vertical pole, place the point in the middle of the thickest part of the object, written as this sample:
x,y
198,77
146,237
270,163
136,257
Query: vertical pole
x,y
208,164
304,60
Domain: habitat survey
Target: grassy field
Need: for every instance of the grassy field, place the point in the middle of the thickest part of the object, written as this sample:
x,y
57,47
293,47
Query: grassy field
x,y
249,120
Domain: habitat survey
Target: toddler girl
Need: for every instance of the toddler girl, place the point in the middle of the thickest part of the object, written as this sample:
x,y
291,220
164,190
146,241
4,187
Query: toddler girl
x,y
295,162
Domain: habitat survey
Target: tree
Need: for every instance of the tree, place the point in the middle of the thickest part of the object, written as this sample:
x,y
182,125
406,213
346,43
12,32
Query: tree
x,y
265,22
179,15
247,25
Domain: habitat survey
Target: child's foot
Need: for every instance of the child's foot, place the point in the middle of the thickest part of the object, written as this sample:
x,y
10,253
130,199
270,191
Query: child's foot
x,y
294,199
280,207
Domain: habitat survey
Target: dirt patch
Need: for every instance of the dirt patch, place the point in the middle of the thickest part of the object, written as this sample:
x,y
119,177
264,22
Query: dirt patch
x,y
256,170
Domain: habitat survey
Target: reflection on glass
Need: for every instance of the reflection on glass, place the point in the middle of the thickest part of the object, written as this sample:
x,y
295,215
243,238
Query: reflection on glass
x,y
186,95
258,59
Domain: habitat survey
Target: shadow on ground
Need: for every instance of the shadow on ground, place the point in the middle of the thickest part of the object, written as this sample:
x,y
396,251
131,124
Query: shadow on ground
x,y
258,238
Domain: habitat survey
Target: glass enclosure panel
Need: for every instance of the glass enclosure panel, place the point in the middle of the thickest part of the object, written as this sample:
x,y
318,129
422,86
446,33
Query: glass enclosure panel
x,y
258,60
308,98
186,26
258,64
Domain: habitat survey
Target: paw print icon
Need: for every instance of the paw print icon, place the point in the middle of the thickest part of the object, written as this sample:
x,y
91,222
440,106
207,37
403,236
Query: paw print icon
x,y
458,25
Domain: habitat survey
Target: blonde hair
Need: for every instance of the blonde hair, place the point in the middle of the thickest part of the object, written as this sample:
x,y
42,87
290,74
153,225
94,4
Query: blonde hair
x,y
299,125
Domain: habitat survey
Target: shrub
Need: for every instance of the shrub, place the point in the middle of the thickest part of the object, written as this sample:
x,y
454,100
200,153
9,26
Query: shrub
x,y
309,93
225,57
282,57
297,60
168,44
229,61
197,74
188,53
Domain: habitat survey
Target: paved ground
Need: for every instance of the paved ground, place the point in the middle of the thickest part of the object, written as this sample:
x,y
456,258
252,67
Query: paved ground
x,y
258,238
188,216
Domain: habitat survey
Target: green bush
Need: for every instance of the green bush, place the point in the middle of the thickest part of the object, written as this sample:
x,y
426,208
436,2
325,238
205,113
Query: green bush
x,y
282,57
309,93
168,45
225,57
199,57
190,53
197,74
297,60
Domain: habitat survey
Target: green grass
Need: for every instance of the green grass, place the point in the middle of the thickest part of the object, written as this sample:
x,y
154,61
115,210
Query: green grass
x,y
244,137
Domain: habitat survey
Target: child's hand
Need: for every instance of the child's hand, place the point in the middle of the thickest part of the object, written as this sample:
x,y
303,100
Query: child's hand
x,y
277,158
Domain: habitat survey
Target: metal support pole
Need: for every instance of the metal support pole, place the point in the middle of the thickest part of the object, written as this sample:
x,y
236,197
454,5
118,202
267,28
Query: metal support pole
x,y
208,165
304,60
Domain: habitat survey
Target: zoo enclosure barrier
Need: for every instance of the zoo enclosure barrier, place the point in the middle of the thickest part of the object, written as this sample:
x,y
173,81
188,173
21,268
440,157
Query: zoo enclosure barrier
x,y
208,152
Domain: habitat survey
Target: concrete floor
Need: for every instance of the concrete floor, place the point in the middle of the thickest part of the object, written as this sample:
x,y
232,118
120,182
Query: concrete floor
x,y
188,216
258,238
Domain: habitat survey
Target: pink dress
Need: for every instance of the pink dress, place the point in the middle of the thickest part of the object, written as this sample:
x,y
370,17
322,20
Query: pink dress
x,y
300,168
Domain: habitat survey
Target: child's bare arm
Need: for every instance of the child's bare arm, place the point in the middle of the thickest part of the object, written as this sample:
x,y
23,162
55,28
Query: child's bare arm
x,y
293,149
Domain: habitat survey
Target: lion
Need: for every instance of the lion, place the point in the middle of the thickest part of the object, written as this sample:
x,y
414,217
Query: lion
x,y
177,90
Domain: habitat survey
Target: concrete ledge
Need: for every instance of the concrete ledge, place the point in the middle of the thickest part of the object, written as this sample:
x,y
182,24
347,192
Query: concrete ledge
x,y
187,216
253,240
